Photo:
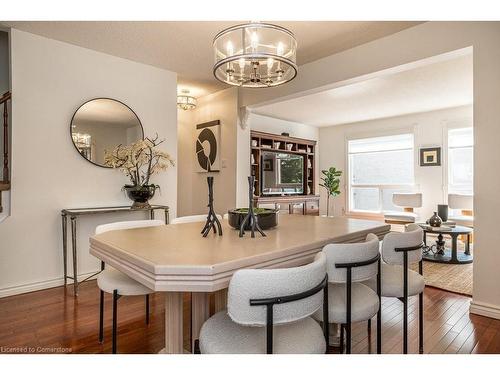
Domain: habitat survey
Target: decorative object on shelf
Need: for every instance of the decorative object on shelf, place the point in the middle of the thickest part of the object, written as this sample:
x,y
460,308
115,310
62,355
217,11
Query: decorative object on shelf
x,y
251,219
430,156
186,101
284,134
212,220
254,143
139,161
268,165
102,124
207,146
255,55
435,220
277,145
331,182
289,146
268,217
443,212
252,159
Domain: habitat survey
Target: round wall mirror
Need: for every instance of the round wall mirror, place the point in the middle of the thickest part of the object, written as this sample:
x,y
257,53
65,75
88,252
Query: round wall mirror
x,y
102,124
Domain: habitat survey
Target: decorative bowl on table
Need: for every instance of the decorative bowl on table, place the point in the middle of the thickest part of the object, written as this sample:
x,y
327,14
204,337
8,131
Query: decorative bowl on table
x,y
267,217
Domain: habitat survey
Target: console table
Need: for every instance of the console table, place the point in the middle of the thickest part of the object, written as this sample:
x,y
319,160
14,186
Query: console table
x,y
73,214
309,204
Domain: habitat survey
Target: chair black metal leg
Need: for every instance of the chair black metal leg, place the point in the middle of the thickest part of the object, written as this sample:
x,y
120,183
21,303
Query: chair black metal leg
x,y
379,313
369,326
341,339
379,333
405,303
115,313
348,312
101,317
421,323
147,308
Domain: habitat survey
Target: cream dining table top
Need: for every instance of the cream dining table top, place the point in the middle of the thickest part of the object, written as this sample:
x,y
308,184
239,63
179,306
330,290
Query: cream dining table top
x,y
176,257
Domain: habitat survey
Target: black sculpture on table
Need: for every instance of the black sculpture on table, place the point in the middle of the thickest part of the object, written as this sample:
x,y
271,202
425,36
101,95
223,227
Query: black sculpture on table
x,y
212,220
251,218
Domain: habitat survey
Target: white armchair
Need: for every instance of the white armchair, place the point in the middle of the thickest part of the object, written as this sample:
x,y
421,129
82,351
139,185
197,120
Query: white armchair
x,y
117,283
407,201
350,300
269,311
465,204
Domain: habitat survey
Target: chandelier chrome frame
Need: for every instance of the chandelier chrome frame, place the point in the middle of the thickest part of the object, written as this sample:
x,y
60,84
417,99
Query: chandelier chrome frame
x,y
186,101
255,58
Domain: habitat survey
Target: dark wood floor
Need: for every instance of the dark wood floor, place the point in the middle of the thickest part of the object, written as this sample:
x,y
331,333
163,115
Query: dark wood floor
x,y
52,320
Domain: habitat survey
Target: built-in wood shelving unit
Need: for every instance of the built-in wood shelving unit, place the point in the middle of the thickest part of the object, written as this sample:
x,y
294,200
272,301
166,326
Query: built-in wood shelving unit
x,y
261,141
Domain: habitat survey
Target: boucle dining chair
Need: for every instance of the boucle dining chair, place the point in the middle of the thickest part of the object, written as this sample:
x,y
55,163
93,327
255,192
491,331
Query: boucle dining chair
x,y
399,251
349,300
117,283
269,311
191,219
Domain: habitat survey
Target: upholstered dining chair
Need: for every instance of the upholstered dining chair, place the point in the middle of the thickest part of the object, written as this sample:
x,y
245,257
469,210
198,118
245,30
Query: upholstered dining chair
x,y
269,311
399,251
408,202
117,283
349,300
191,219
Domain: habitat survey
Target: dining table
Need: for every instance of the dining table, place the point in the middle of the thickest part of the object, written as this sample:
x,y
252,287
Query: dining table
x,y
176,258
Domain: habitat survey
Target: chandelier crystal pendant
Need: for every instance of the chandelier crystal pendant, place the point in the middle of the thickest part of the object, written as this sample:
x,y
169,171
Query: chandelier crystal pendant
x,y
186,101
255,55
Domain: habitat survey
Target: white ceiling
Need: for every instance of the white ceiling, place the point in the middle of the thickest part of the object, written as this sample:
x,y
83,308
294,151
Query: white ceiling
x,y
186,47
430,87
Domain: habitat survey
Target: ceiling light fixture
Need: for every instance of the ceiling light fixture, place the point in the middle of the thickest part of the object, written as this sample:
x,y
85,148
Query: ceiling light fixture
x,y
186,101
255,55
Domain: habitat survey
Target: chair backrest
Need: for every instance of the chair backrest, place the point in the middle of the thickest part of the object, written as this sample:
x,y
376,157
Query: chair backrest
x,y
413,236
191,219
460,201
249,284
407,200
128,225
349,253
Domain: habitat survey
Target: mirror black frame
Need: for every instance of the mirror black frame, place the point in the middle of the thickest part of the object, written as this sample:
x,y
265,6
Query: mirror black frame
x,y
73,117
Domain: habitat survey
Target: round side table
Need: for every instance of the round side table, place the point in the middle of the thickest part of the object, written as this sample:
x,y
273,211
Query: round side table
x,y
438,251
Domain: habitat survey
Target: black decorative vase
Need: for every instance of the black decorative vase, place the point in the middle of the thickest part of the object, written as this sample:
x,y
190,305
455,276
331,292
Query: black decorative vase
x,y
435,220
443,212
140,194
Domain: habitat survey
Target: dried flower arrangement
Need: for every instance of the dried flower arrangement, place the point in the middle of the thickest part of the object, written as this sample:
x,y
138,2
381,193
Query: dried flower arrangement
x,y
139,161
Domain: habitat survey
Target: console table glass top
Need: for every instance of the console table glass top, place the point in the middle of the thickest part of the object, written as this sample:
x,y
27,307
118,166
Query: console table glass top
x,y
73,213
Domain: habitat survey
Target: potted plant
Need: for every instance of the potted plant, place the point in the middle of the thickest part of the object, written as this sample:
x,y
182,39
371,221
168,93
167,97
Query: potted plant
x,y
139,161
331,182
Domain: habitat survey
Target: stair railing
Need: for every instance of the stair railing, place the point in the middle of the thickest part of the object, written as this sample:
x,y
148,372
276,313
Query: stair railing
x,y
4,99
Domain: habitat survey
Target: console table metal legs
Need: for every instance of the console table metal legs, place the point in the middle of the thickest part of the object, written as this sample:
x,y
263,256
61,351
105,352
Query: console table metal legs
x,y
73,219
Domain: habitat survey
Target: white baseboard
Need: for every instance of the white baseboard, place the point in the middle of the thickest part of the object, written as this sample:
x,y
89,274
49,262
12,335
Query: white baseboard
x,y
485,309
40,285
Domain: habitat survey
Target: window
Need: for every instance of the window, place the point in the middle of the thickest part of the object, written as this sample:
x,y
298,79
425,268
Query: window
x,y
379,167
460,160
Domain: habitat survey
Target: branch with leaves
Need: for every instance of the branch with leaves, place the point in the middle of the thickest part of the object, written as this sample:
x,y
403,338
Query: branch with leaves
x,y
330,180
139,160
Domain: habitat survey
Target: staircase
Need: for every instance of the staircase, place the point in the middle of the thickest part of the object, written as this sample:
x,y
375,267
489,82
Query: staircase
x,y
5,182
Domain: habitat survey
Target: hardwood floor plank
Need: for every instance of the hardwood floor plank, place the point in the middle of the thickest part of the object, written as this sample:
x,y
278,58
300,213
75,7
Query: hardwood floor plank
x,y
53,319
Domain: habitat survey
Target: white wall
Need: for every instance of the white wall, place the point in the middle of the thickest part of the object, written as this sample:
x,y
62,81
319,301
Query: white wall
x,y
410,45
192,185
429,129
50,80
